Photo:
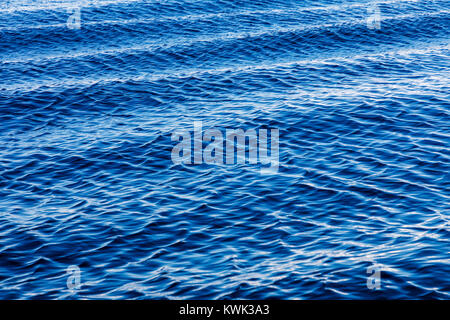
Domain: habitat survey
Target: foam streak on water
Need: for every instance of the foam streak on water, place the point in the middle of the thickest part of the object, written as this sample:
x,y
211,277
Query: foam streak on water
x,y
87,180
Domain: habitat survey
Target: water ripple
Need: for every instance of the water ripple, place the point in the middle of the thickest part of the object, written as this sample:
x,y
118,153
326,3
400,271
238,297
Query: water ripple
x,y
86,177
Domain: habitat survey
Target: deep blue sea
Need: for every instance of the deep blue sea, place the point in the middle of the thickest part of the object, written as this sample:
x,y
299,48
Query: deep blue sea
x,y
359,91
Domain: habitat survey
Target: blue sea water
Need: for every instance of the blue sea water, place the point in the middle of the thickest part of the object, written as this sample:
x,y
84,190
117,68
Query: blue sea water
x,y
87,180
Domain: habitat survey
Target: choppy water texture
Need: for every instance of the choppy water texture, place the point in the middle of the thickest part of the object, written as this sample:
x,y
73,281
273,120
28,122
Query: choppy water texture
x,y
86,177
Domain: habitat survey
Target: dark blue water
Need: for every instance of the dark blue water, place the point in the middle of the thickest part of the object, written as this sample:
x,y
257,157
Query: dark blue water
x,y
87,180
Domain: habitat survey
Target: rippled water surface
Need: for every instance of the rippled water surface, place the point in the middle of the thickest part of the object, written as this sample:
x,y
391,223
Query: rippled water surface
x,y
87,180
